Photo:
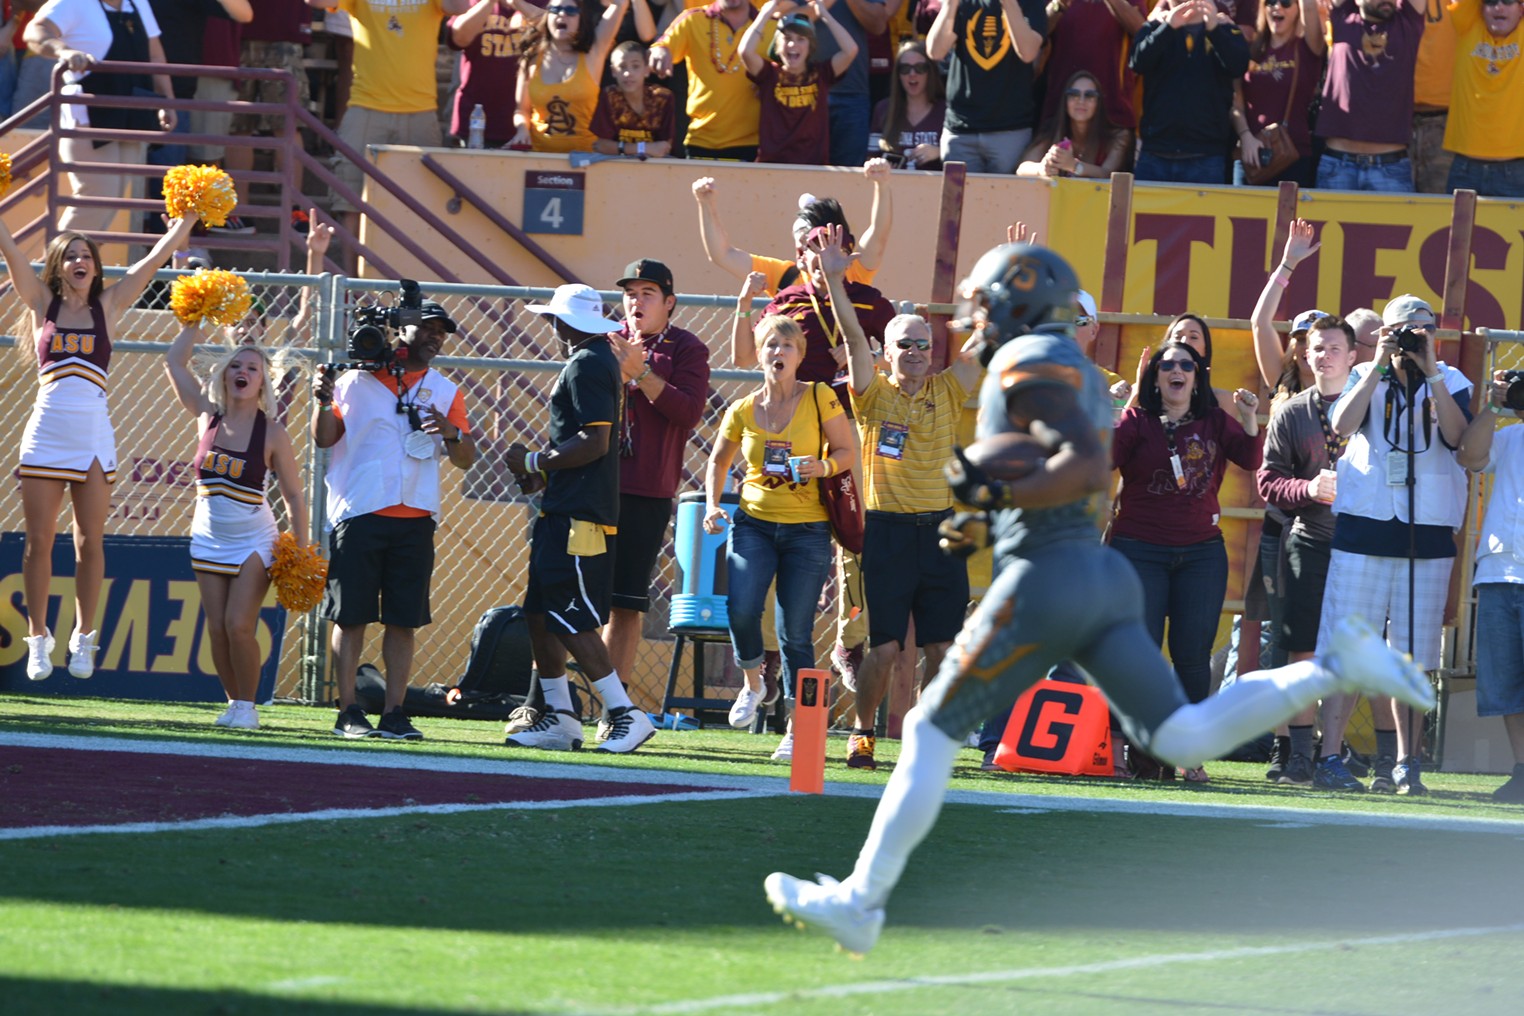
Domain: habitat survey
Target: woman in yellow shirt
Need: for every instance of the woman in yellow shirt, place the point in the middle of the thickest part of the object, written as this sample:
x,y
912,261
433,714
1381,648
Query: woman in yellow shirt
x,y
559,77
790,434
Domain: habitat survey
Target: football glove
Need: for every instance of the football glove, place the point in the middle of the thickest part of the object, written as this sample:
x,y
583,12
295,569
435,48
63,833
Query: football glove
x,y
964,533
972,485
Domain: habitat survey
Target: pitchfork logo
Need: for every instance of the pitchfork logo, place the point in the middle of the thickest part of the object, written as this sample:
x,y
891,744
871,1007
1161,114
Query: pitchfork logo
x,y
988,39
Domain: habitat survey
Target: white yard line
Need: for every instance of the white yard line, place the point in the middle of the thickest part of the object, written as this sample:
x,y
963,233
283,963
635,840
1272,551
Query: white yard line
x,y
759,999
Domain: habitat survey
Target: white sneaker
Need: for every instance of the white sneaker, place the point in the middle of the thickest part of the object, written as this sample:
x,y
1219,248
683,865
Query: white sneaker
x,y
824,905
245,716
557,730
785,750
521,719
82,653
744,710
1363,662
629,728
225,717
39,656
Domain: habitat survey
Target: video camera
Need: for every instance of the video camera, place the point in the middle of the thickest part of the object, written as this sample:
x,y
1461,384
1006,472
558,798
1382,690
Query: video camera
x,y
369,344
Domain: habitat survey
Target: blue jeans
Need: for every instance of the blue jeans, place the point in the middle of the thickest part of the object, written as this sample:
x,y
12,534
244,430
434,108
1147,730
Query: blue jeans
x,y
850,116
1207,169
1338,171
1186,585
1492,179
799,555
32,79
1499,649
10,68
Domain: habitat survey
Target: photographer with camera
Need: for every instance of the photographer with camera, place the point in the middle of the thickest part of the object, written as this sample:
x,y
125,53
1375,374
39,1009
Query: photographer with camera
x,y
388,418
1400,496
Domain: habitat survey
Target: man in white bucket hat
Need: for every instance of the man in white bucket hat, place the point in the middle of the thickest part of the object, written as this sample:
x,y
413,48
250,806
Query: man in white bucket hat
x,y
567,597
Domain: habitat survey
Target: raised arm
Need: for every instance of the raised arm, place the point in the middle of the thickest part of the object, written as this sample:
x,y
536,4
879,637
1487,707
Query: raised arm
x,y
603,37
122,294
833,263
751,39
942,37
1312,27
1475,448
743,346
873,15
874,243
645,21
177,365
1268,351
1026,40
319,236
846,46
465,29
717,246
28,284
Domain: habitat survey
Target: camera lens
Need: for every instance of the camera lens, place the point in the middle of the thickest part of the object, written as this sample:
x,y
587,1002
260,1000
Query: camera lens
x,y
1515,398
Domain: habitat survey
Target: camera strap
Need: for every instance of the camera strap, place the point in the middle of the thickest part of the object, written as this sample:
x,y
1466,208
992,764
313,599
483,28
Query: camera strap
x,y
1393,412
1333,442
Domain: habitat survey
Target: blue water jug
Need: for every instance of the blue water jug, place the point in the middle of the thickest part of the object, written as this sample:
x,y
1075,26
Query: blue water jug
x,y
700,605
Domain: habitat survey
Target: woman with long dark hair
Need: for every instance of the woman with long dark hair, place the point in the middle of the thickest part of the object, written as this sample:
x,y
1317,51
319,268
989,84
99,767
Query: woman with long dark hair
x,y
906,128
1173,450
559,77
1286,62
1079,139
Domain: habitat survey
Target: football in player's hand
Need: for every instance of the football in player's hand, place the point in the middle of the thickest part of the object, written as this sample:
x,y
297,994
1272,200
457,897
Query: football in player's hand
x,y
1007,456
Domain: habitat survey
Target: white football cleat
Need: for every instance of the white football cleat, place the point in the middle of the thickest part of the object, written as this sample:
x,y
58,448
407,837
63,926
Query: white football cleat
x,y
82,653
39,656
824,905
1363,662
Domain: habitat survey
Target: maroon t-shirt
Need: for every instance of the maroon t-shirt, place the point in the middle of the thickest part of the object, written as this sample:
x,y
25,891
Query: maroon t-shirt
x,y
280,21
489,74
616,120
654,436
822,333
222,45
1089,38
1268,87
1368,93
926,131
795,126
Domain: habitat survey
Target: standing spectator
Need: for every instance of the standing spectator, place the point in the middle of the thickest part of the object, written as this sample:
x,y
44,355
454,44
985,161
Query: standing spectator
x,y
394,99
991,109
790,433
276,39
1188,54
1173,450
907,427
559,75
1487,101
1093,36
1367,325
666,374
1284,370
851,99
1387,533
1080,140
1366,117
1438,52
906,127
78,33
1297,478
240,443
1285,69
634,117
571,557
793,87
34,72
383,499
1499,578
722,104
491,37
68,445
221,46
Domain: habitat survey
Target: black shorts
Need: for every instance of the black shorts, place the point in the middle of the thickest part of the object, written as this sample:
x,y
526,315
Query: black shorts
x,y
379,569
1306,574
906,575
572,592
642,535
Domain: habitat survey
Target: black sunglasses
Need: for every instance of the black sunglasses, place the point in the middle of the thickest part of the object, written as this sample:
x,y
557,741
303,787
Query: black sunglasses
x,y
563,9
922,344
1083,93
1084,321
1187,366
1499,3
906,69
1288,4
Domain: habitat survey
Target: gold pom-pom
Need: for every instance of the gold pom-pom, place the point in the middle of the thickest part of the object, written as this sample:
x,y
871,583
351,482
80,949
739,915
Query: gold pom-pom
x,y
205,190
299,574
211,295
5,174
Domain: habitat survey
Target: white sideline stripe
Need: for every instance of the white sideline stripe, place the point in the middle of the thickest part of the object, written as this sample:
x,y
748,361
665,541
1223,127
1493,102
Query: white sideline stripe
x,y
1042,973
343,814
390,756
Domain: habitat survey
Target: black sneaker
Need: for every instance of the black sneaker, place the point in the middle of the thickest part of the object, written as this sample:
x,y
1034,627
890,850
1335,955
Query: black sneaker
x,y
1359,765
353,723
1512,792
1409,776
1297,772
1280,755
395,726
1382,781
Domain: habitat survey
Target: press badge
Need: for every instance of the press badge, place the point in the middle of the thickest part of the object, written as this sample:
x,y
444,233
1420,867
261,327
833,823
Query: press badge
x,y
1179,470
1396,468
775,458
891,440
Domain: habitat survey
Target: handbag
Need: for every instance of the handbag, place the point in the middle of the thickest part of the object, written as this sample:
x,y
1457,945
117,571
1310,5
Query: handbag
x,y
838,493
1277,136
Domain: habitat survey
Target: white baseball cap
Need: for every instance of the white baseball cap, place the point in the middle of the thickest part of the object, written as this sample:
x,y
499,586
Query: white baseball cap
x,y
1086,303
579,306
1407,309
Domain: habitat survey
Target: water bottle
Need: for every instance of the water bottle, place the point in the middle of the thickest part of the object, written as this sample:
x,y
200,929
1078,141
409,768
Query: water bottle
x,y
477,136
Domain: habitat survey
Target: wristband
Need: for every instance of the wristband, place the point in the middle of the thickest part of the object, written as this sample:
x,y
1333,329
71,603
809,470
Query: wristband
x,y
621,148
743,313
453,440
1281,277
1438,378
532,462
640,149
642,375
325,407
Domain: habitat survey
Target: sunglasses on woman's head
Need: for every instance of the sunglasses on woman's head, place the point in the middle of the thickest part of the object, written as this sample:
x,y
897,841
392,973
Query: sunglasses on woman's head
x,y
906,69
922,344
1083,93
1186,366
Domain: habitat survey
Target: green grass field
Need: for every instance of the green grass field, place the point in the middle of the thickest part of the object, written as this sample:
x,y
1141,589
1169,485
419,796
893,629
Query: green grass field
x,y
1033,895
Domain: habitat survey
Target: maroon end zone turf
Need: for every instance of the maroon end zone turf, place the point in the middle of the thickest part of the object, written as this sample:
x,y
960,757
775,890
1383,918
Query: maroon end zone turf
x,y
59,786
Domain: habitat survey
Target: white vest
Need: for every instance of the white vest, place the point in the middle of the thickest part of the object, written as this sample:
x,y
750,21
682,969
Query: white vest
x,y
1440,493
368,469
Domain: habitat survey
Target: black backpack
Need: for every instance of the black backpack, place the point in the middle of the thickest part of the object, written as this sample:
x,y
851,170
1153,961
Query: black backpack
x,y
501,659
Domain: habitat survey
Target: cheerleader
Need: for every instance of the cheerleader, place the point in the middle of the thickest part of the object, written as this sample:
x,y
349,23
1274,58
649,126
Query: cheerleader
x,y
68,445
233,530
